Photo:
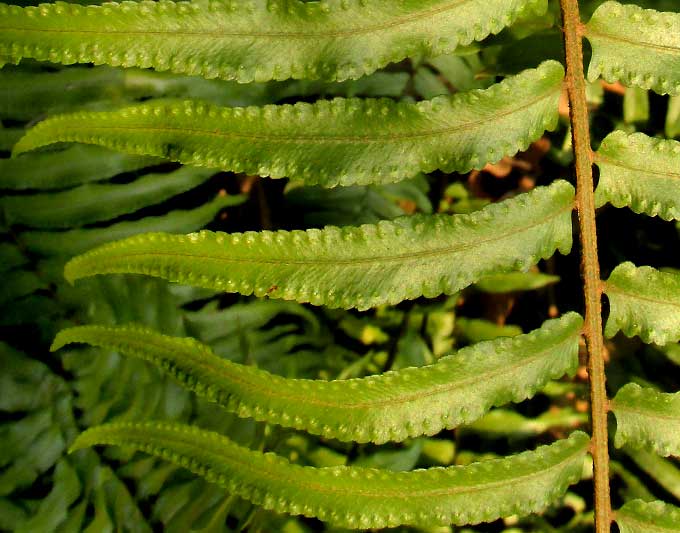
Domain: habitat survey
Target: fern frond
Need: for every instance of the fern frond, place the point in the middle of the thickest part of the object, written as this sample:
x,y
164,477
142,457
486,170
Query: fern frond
x,y
638,47
645,302
358,497
646,418
638,516
639,172
96,202
455,390
351,267
252,41
330,142
76,165
76,241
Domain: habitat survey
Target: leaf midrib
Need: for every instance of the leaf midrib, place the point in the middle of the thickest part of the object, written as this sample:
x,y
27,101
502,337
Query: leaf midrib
x,y
300,138
307,397
641,44
382,492
337,261
618,163
617,406
609,287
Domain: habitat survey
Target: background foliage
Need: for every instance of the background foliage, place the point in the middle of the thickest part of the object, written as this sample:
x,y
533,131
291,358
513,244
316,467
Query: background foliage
x,y
61,202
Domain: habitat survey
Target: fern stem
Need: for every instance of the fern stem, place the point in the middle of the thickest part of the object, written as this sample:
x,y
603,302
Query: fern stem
x,y
576,87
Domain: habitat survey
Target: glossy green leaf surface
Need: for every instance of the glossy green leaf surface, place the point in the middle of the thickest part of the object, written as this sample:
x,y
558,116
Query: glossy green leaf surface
x,y
350,267
638,516
636,46
358,497
639,172
260,40
457,389
330,142
646,418
645,302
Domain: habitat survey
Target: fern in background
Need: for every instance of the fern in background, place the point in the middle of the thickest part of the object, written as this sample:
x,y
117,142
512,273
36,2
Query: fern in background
x,y
319,318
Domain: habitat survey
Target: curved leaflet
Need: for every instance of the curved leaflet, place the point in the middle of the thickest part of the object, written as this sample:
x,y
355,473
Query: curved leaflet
x,y
640,172
351,267
646,418
636,46
330,142
456,390
358,497
645,302
258,40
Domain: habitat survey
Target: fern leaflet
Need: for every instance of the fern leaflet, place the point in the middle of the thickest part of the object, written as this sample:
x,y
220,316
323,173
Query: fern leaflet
x,y
645,302
353,266
647,418
358,497
260,40
637,516
455,390
330,142
636,46
639,172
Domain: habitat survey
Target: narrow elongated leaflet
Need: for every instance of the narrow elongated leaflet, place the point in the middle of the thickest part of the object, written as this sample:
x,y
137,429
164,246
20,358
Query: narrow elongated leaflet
x,y
330,142
457,389
353,266
258,40
358,497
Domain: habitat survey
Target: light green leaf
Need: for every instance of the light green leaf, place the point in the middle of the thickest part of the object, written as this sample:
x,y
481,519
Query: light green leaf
x,y
361,497
330,142
644,302
76,165
638,47
256,41
640,172
77,241
455,390
515,281
638,516
350,267
646,418
96,201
